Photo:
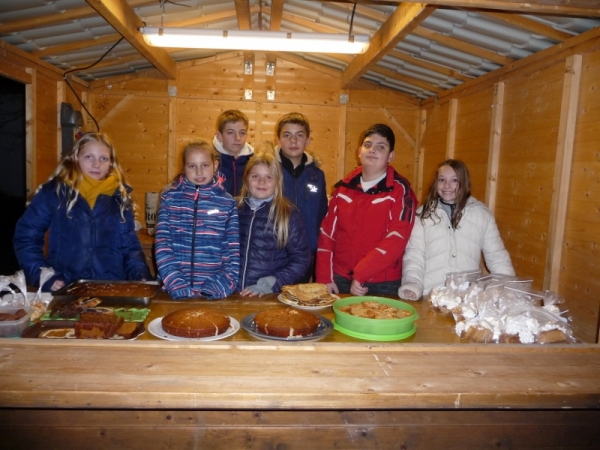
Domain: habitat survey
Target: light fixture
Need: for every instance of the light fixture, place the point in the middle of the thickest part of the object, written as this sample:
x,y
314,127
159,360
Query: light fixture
x,y
270,70
275,41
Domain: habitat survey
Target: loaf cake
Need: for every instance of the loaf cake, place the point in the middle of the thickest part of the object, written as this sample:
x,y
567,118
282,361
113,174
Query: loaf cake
x,y
286,322
127,330
195,322
97,325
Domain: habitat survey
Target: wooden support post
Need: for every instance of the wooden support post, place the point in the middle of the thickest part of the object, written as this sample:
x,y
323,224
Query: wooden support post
x,y
84,115
420,155
341,151
562,172
30,133
451,137
172,143
494,146
60,97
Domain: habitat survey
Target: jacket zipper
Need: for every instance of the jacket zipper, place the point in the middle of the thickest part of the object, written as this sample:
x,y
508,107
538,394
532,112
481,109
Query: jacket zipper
x,y
196,197
248,246
296,191
234,178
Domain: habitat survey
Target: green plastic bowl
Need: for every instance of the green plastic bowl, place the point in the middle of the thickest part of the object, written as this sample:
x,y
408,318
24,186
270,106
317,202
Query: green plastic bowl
x,y
375,327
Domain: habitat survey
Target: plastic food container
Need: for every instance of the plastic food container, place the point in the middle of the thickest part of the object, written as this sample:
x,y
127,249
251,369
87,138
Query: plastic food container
x,y
375,329
13,328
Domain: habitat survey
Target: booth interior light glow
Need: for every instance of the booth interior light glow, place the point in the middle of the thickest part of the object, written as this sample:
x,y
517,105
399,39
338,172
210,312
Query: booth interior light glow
x,y
276,41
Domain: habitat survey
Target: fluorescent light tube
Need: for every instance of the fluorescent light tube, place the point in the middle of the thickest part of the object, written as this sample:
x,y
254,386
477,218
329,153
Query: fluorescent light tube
x,y
255,40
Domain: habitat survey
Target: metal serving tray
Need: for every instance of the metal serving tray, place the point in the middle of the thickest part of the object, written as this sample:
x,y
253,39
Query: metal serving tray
x,y
112,293
37,330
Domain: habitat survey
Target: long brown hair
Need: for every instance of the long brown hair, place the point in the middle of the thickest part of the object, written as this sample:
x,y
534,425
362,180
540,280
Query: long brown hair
x,y
68,172
281,208
463,192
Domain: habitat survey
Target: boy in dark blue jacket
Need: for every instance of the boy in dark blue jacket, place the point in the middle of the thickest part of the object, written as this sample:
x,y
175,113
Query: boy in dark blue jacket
x,y
303,180
234,152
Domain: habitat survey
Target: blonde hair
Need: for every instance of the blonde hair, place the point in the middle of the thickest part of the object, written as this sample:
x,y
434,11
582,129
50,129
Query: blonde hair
x,y
281,208
199,144
266,146
68,173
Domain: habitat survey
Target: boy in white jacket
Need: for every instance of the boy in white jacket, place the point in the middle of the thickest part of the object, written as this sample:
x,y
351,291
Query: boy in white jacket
x,y
451,231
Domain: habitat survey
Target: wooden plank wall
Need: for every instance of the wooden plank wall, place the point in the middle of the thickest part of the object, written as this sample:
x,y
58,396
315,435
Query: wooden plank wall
x,y
291,430
545,140
151,120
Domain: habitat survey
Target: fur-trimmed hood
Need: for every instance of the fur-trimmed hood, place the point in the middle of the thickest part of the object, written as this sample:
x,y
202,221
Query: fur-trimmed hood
x,y
247,150
310,157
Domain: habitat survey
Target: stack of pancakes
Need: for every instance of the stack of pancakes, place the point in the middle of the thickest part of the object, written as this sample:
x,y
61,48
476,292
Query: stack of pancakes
x,y
308,294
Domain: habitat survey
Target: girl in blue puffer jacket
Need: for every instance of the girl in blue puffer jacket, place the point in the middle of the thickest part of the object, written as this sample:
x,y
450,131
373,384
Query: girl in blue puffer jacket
x,y
273,241
87,210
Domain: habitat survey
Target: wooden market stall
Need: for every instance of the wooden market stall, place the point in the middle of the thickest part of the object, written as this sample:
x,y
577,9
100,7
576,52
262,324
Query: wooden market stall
x,y
530,137
526,131
429,391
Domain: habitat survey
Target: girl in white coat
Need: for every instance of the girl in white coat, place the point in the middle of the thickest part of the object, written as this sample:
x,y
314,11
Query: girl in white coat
x,y
451,231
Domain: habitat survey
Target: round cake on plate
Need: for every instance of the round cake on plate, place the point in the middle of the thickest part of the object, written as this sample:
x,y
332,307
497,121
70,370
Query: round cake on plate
x,y
286,322
195,322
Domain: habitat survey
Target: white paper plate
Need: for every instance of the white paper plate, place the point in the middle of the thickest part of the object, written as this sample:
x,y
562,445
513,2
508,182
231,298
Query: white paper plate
x,y
285,301
155,328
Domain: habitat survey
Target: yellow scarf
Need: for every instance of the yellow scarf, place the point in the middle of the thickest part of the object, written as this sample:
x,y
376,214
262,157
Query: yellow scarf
x,y
90,189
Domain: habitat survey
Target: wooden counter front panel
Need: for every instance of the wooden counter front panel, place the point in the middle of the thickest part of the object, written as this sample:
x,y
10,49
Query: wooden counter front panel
x,y
291,430
430,370
258,375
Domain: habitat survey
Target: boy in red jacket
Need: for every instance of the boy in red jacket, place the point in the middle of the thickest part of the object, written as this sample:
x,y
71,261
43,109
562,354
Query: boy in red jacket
x,y
371,215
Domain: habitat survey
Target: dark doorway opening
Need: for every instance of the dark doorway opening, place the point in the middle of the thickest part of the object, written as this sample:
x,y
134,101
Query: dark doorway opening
x,y
13,187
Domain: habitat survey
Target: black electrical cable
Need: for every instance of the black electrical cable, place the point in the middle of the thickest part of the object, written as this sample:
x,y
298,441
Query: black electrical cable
x,y
351,21
84,68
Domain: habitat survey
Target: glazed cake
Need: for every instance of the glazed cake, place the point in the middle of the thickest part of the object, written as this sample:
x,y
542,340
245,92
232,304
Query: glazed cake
x,y
286,322
97,325
195,322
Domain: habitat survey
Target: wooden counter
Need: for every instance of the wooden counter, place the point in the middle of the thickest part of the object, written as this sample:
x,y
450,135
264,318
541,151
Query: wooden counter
x,y
430,391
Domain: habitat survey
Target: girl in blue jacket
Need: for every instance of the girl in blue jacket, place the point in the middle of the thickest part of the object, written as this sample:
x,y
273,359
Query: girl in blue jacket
x,y
197,239
273,239
87,210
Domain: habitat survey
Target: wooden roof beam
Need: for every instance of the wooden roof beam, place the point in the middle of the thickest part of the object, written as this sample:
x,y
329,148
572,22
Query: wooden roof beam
x,y
125,21
462,46
428,65
401,78
276,14
55,19
242,9
400,23
590,8
533,26
79,45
